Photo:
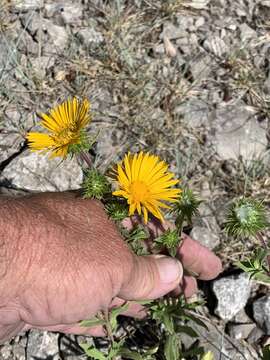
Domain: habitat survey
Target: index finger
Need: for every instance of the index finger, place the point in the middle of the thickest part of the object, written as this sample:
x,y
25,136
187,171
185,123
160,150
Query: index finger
x,y
198,259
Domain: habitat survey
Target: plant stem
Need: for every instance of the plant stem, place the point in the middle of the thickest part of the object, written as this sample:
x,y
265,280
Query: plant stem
x,y
261,239
109,328
179,224
86,158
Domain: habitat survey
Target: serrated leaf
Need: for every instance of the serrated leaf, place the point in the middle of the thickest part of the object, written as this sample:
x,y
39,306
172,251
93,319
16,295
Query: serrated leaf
x,y
171,348
92,322
92,352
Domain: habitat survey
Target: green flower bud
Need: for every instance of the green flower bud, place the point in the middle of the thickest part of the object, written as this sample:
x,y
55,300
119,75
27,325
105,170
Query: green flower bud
x,y
95,185
246,217
117,210
169,239
188,205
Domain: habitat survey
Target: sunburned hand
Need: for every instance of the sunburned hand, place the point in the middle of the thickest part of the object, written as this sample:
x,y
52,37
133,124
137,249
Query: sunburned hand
x,y
66,261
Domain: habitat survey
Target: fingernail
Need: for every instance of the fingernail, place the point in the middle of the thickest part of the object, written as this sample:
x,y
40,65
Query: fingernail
x,y
170,270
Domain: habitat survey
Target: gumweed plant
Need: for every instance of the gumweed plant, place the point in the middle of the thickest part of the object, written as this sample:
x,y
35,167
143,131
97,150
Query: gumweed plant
x,y
140,185
247,217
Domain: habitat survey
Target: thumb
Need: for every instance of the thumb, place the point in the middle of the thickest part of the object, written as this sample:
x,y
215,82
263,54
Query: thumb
x,y
151,277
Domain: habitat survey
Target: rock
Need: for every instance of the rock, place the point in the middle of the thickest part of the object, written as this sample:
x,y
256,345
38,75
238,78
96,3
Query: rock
x,y
194,112
205,227
205,237
216,46
232,294
246,33
70,12
261,313
201,66
10,143
41,64
238,133
172,32
35,172
57,35
241,331
215,339
265,3
26,5
6,352
42,345
89,36
255,335
45,31
198,4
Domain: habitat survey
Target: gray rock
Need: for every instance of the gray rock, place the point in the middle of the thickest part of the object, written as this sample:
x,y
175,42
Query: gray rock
x,y
216,46
42,345
265,3
45,31
26,5
194,112
223,347
10,143
205,237
41,64
261,312
57,34
238,133
246,33
69,11
232,293
198,4
241,331
172,32
89,36
255,335
36,172
201,66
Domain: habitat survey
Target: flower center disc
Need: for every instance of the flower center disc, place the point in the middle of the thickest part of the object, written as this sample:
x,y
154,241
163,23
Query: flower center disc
x,y
139,191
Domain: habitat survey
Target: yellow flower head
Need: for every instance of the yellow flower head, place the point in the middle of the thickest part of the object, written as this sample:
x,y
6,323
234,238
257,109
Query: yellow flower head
x,y
65,123
145,182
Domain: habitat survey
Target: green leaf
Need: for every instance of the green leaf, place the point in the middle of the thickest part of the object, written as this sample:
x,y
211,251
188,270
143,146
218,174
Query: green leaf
x,y
92,322
186,330
92,352
130,354
208,356
115,349
171,348
168,323
115,312
266,352
194,351
196,320
265,278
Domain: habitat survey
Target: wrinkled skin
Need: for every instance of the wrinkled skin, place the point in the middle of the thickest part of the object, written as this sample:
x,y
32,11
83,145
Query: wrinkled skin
x,y
62,260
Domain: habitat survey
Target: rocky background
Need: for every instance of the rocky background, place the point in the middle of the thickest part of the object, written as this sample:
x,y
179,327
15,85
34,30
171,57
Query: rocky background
x,y
188,80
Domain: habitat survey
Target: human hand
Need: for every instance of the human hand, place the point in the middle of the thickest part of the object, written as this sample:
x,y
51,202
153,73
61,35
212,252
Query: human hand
x,y
66,261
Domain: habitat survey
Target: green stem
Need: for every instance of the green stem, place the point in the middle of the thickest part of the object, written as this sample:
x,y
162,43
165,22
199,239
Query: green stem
x,y
109,328
179,224
262,241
